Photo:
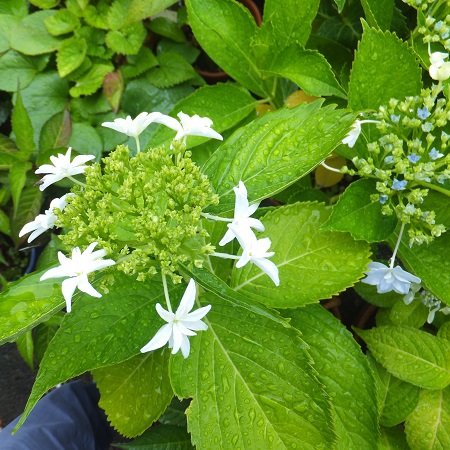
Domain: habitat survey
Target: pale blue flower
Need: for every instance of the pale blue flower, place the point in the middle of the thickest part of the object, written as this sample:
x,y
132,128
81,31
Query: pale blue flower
x,y
383,198
395,119
427,127
399,185
435,154
389,159
423,113
413,157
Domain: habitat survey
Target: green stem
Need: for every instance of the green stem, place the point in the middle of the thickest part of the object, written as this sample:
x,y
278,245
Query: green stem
x,y
394,254
434,187
76,181
217,218
166,293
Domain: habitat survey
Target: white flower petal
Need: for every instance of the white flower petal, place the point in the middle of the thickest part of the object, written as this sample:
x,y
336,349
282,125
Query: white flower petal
x,y
187,301
165,315
169,122
184,330
160,339
68,288
196,315
269,268
229,236
86,287
185,347
177,337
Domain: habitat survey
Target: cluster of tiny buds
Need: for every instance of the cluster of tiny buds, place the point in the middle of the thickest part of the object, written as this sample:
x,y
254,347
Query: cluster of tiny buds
x,y
428,299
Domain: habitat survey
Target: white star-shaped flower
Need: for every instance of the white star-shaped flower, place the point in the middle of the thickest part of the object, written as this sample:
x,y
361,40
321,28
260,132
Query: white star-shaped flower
x,y
388,279
44,222
180,325
77,268
439,69
242,212
189,126
62,167
133,127
255,251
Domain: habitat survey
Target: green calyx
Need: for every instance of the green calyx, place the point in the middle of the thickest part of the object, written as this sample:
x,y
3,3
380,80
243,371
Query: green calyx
x,y
144,211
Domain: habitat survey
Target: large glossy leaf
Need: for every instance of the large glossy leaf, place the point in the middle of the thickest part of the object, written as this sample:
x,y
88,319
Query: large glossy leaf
x,y
251,383
411,355
338,358
99,332
384,68
26,210
22,127
134,393
379,13
313,264
275,150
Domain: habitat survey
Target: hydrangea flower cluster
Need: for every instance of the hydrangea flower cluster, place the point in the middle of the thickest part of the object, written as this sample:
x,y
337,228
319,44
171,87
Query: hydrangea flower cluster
x,y
145,214
428,299
410,158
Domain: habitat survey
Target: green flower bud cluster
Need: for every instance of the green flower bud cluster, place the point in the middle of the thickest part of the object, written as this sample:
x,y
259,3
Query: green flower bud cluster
x,y
410,157
434,20
143,211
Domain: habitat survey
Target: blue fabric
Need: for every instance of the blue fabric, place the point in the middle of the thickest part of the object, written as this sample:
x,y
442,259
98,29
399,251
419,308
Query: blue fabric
x,y
68,418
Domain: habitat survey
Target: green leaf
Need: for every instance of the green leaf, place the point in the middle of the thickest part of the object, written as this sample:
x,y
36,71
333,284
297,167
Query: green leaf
x,y
143,378
140,63
6,23
369,294
413,315
92,80
384,68
427,427
19,70
30,35
26,348
225,30
70,56
97,16
411,355
225,104
17,8
43,334
128,40
99,332
287,143
44,4
17,179
22,127
340,4
167,437
141,9
379,13
396,398
43,98
5,226
313,264
175,413
166,27
28,206
62,22
309,69
338,358
172,69
56,131
26,303
250,372
356,213
85,140
113,87
392,439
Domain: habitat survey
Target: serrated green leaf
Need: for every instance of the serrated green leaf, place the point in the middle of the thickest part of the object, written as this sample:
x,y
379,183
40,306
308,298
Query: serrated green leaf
x,y
356,213
392,439
167,28
225,104
140,63
86,141
396,398
379,13
56,131
427,427
167,437
8,146
44,4
309,69
17,179
172,69
25,346
141,9
128,40
22,127
288,143
77,7
43,98
313,264
99,332
6,23
26,303
384,68
143,378
27,208
30,35
251,369
411,355
43,334
62,22
338,358
225,30
70,56
19,70
97,16
175,413
117,14
413,315
91,81
17,8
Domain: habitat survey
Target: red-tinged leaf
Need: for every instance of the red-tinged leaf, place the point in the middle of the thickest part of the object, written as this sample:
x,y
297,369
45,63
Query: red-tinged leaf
x,y
113,88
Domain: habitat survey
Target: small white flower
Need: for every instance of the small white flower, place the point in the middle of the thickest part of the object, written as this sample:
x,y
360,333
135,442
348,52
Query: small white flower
x,y
44,222
77,268
189,126
62,167
180,324
409,297
242,212
133,127
255,251
388,279
353,134
439,69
